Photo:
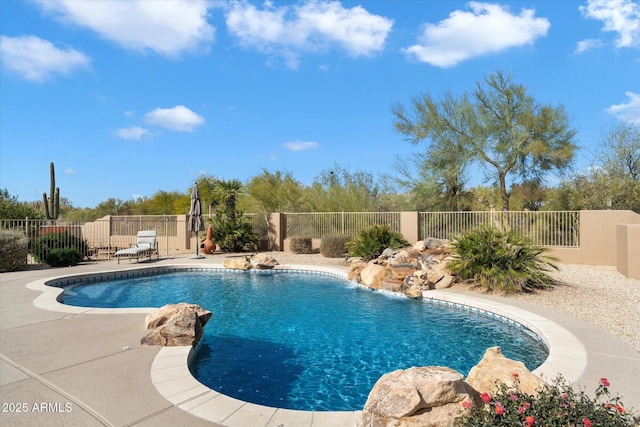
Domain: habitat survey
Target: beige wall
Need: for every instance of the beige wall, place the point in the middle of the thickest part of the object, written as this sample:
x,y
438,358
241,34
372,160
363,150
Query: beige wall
x,y
602,243
628,250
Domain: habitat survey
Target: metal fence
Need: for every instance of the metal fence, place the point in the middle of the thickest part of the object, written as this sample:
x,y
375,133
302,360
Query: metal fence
x,y
558,228
100,239
318,225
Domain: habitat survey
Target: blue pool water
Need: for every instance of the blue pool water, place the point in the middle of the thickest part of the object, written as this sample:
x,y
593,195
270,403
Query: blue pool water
x,y
311,341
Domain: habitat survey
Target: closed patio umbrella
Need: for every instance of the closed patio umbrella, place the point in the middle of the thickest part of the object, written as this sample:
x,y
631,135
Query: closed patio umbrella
x,y
196,222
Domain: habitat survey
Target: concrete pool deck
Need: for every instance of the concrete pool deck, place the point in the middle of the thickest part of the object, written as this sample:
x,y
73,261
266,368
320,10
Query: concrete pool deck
x,y
80,368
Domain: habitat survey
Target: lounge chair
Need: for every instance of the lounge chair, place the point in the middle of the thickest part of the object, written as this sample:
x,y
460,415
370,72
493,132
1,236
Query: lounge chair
x,y
146,245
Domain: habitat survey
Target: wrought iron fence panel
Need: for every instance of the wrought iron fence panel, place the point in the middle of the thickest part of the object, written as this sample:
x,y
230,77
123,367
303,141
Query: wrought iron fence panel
x,y
553,228
318,225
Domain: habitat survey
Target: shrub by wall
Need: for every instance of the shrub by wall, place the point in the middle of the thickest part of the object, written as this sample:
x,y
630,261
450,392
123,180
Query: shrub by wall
x,y
64,257
334,246
301,245
14,247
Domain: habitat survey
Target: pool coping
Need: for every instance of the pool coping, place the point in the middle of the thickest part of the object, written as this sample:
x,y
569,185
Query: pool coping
x,y
172,378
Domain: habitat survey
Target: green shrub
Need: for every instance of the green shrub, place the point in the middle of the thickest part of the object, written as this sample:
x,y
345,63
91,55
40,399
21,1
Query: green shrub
x,y
555,405
13,250
500,261
334,246
40,246
370,242
301,245
64,257
233,234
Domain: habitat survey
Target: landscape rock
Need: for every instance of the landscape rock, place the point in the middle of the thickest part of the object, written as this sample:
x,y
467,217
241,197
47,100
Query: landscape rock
x,y
263,262
176,325
372,275
237,264
355,269
494,367
420,268
418,396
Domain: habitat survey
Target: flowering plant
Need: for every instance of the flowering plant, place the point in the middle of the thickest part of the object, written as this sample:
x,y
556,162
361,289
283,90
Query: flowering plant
x,y
554,405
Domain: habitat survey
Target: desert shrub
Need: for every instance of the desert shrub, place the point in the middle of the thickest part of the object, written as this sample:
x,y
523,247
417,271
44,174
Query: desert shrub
x,y
233,234
301,245
40,246
65,257
500,261
334,246
13,250
555,405
370,242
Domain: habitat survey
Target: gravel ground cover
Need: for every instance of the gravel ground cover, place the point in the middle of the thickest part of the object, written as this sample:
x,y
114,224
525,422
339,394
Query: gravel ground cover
x,y
599,295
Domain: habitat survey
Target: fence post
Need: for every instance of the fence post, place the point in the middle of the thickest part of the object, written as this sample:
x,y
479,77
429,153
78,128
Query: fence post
x,y
410,226
276,230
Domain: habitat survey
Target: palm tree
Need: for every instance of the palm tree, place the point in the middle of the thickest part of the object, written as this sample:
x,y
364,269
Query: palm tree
x,y
228,192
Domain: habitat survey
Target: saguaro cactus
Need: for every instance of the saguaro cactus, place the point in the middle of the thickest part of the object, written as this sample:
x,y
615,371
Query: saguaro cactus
x,y
52,204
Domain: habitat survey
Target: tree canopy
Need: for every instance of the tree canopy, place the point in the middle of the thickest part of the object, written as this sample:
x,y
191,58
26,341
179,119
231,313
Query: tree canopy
x,y
498,128
613,179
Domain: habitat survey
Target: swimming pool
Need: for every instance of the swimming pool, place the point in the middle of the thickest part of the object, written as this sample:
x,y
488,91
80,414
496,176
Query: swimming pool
x,y
297,340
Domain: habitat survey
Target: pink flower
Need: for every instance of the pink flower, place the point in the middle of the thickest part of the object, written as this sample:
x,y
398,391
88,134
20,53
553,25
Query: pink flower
x,y
512,396
467,404
530,421
604,382
499,409
485,397
522,409
586,422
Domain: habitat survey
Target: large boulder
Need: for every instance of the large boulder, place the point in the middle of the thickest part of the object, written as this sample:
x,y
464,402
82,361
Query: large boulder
x,y
263,262
355,269
416,397
372,275
176,325
237,264
496,368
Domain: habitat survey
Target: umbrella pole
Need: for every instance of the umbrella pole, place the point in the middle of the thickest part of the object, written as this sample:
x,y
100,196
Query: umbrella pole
x,y
197,255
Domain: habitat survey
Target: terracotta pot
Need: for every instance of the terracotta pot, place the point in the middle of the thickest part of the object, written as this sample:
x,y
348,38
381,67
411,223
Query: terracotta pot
x,y
208,247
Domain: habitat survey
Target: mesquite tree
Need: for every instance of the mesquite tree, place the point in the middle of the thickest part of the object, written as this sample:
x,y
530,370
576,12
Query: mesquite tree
x,y
499,129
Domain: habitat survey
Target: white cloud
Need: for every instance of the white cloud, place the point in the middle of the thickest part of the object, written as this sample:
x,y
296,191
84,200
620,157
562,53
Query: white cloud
x,y
488,28
69,171
619,16
178,118
313,26
166,27
629,112
36,59
300,145
135,133
587,44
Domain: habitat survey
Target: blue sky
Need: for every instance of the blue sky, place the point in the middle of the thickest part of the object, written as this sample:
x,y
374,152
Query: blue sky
x,y
131,97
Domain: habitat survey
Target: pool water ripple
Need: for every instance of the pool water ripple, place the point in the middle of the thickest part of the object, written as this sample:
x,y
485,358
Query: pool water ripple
x,y
309,341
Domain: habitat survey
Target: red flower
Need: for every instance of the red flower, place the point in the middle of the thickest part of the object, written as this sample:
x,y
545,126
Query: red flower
x,y
485,397
604,382
499,409
586,422
530,420
467,404
619,409
515,375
